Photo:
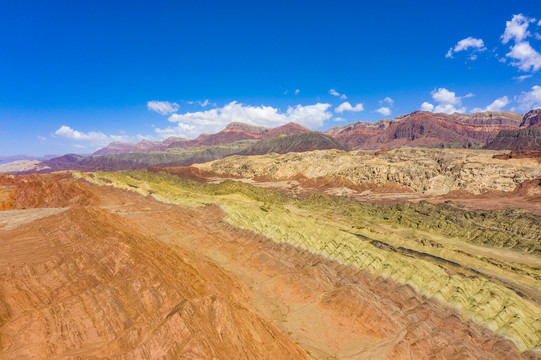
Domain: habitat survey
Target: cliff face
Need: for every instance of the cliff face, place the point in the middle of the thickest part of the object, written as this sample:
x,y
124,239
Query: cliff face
x,y
532,119
423,128
522,139
527,137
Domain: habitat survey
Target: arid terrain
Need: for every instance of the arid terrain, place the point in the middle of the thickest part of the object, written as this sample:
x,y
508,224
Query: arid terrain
x,y
400,254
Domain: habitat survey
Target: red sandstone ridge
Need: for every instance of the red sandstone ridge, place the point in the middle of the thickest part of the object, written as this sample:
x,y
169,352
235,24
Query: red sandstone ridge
x,y
235,131
520,154
532,119
419,128
423,128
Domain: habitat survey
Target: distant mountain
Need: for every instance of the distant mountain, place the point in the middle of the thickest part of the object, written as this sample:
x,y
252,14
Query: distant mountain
x,y
287,129
12,158
527,137
522,139
138,160
233,132
532,119
283,144
422,128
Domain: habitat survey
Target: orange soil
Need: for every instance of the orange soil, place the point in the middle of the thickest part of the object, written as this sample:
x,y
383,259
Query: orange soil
x,y
129,277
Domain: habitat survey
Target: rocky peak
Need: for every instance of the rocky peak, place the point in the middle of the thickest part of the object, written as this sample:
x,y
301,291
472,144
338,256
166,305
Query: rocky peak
x,y
238,126
532,119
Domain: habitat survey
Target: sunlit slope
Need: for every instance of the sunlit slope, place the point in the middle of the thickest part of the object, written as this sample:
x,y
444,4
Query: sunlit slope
x,y
436,266
427,171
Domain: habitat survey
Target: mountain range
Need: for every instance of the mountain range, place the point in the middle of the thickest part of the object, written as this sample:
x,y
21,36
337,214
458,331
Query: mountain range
x,y
420,128
498,130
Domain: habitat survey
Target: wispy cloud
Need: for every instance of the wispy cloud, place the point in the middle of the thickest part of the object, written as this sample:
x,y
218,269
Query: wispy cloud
x,y
346,106
297,91
525,57
386,100
516,29
192,124
336,93
496,105
522,77
530,99
385,111
465,44
96,138
163,107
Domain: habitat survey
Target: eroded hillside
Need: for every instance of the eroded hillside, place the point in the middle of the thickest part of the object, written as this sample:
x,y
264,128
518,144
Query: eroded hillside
x,y
180,263
495,287
426,171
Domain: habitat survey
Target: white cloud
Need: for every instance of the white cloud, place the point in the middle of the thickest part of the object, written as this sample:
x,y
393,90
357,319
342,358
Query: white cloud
x,y
346,106
527,59
522,77
516,29
445,96
426,106
162,107
297,91
204,103
211,121
338,118
92,137
387,100
465,44
41,139
447,101
537,36
496,105
336,93
449,109
385,111
530,99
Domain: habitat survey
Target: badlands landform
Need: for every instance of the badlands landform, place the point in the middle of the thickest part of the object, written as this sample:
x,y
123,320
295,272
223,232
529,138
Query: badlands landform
x,y
281,244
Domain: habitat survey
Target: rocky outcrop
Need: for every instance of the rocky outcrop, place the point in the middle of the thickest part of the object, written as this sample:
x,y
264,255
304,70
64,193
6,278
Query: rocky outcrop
x,y
532,119
520,154
522,139
426,171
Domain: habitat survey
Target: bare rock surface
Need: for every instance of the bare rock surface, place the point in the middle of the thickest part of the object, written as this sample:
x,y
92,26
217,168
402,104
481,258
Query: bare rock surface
x,y
425,171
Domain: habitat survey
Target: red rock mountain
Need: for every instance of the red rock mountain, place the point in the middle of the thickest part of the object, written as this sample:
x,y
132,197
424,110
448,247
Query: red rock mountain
x,y
532,119
526,137
235,131
422,128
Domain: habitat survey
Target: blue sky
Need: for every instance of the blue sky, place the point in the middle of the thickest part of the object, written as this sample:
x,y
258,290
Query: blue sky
x,y
75,75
